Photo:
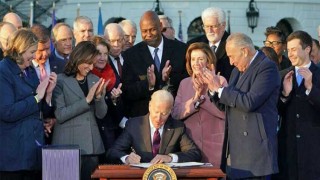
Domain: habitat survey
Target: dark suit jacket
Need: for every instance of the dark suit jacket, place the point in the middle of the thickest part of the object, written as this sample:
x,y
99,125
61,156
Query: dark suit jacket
x,y
135,84
137,135
56,64
251,107
223,63
299,132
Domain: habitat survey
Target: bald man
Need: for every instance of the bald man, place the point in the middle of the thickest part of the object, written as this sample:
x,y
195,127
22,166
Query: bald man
x,y
130,33
14,19
5,30
153,64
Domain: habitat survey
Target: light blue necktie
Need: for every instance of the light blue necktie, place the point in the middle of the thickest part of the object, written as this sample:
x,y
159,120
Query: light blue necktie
x,y
156,59
299,79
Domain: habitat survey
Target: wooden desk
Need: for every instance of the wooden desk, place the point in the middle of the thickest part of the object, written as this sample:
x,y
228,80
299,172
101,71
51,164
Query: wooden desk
x,y
117,172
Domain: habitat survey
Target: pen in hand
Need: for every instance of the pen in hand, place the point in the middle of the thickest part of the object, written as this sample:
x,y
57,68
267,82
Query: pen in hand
x,y
133,157
132,150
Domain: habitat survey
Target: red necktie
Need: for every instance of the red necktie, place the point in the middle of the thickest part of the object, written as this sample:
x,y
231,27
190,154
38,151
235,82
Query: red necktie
x,y
156,142
43,73
119,66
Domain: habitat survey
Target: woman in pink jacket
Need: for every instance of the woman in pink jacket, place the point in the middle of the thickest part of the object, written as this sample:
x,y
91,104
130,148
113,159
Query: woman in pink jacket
x,y
204,121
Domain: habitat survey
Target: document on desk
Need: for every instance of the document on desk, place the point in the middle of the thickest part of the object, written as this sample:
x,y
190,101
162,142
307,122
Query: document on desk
x,y
173,165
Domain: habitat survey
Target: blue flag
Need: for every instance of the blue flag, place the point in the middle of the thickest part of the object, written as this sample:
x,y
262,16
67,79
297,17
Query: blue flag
x,y
100,25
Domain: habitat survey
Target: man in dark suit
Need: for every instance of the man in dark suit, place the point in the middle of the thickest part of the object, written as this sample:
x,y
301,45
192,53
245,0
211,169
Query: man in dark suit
x,y
214,25
150,65
299,107
44,66
156,137
250,100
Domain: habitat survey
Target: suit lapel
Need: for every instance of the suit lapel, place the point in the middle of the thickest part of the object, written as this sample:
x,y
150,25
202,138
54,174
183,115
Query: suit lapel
x,y
166,136
147,58
221,51
167,51
114,69
146,132
53,64
250,69
73,85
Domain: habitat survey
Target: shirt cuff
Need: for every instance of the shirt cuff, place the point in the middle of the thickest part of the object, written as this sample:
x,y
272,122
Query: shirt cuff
x,y
174,158
220,91
123,159
307,92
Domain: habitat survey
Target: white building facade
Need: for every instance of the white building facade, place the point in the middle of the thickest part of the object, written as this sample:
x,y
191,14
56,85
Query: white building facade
x,y
301,15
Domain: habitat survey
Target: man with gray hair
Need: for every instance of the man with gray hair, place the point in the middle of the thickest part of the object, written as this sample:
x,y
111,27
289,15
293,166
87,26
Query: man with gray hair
x,y
82,29
14,19
214,25
130,33
62,39
6,29
114,35
155,137
250,101
167,28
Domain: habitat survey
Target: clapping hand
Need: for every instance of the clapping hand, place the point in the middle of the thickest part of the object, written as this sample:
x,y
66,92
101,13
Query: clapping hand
x,y
166,71
41,89
93,90
211,79
151,76
52,82
287,83
307,75
198,86
101,90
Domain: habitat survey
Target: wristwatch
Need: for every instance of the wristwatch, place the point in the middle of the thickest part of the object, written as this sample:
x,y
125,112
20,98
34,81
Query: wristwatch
x,y
198,102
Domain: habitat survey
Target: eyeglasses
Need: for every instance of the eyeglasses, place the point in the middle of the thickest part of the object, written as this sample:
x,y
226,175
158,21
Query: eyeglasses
x,y
272,43
115,41
127,37
214,27
164,29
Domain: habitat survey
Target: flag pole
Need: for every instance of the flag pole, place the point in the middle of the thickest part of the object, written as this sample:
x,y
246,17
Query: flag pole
x,y
31,14
229,28
78,10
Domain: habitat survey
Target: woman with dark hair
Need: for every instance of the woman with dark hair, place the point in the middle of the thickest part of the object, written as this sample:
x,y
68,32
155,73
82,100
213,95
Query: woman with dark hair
x,y
204,121
78,99
109,125
21,106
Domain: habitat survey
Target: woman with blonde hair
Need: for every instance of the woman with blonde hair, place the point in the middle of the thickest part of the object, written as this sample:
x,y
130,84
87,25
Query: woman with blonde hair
x,y
23,102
